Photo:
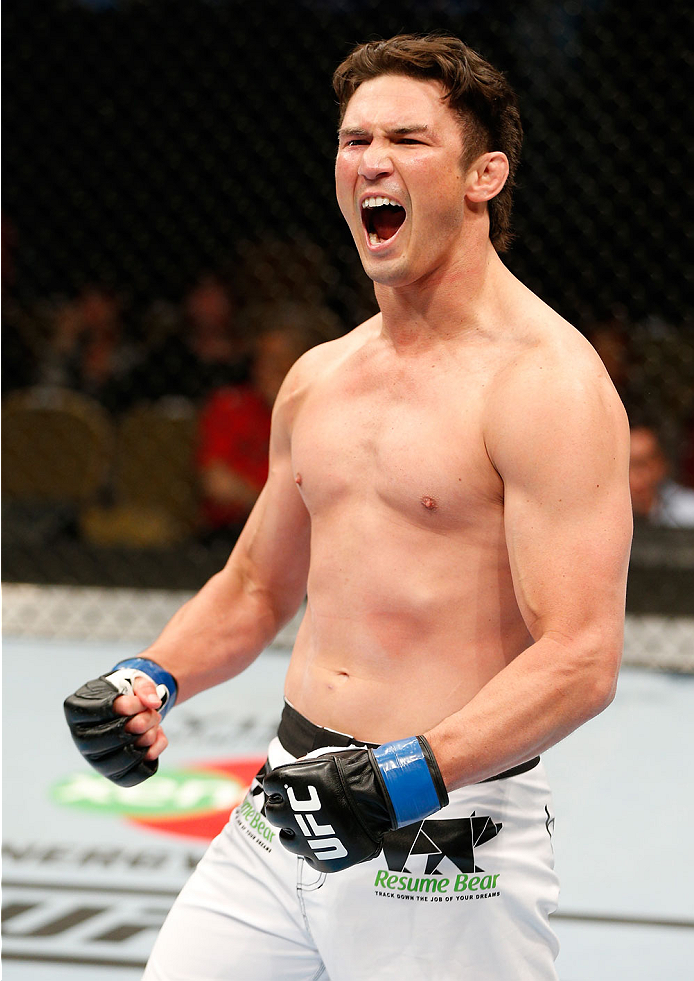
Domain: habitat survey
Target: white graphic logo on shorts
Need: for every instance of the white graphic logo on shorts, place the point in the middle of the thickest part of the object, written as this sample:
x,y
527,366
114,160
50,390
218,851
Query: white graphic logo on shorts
x,y
317,835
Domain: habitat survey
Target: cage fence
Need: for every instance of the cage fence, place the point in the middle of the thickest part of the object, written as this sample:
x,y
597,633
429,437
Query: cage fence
x,y
168,199
136,616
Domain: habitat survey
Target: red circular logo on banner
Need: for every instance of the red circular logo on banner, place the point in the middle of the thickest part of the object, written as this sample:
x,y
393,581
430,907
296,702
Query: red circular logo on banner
x,y
206,824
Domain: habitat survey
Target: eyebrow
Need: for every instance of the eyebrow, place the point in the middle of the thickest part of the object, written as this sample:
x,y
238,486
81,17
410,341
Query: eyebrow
x,y
405,130
396,131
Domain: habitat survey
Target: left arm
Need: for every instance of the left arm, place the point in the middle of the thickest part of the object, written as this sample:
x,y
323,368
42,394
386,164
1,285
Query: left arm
x,y
558,437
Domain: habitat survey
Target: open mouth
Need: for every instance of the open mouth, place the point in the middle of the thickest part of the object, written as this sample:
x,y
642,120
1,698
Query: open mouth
x,y
382,218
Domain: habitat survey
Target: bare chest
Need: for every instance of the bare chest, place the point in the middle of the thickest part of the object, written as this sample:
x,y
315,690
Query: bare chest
x,y
418,450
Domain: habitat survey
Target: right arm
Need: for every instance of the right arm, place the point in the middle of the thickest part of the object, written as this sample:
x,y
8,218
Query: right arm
x,y
238,612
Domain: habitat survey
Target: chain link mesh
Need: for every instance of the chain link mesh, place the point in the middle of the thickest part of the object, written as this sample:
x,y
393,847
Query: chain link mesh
x,y
168,194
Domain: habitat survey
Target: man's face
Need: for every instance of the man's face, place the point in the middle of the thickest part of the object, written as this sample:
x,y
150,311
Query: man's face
x,y
647,469
400,143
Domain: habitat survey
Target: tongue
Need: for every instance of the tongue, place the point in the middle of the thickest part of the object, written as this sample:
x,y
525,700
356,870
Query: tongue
x,y
387,220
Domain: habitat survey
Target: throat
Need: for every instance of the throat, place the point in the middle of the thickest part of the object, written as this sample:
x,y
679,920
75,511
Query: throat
x,y
385,221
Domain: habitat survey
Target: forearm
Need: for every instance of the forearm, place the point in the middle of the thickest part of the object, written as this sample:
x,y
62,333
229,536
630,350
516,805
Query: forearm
x,y
217,633
539,698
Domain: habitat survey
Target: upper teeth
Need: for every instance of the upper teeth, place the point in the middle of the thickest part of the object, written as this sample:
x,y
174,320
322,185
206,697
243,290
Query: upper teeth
x,y
379,202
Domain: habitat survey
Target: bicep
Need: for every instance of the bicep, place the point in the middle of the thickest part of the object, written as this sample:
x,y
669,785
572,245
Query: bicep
x,y
567,515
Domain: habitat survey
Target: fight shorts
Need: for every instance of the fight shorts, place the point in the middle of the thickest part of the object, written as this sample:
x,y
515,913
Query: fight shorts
x,y
464,894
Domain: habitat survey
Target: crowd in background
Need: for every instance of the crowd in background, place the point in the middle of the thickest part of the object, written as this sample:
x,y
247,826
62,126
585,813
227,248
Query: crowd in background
x,y
220,353
652,366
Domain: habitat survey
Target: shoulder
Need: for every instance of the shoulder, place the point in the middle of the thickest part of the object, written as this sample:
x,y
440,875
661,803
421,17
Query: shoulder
x,y
553,392
321,361
325,356
550,363
317,365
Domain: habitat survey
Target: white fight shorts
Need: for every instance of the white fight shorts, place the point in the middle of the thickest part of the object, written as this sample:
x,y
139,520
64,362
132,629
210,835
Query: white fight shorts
x,y
464,895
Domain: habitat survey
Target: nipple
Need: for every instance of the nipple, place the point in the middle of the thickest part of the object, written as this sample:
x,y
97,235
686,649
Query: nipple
x,y
297,480
429,503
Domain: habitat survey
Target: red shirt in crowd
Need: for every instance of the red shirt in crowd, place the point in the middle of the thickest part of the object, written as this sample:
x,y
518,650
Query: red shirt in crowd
x,y
234,429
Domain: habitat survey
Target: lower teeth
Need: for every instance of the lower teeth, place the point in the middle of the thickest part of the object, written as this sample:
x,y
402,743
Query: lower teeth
x,y
374,239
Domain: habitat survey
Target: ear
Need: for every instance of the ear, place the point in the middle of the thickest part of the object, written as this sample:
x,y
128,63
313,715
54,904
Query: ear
x,y
487,176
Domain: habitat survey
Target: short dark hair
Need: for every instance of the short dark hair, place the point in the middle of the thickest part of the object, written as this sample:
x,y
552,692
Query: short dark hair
x,y
476,91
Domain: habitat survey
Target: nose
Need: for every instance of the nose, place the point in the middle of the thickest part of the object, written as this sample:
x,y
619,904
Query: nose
x,y
375,161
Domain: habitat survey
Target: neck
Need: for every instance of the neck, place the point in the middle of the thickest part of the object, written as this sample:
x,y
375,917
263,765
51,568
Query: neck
x,y
461,295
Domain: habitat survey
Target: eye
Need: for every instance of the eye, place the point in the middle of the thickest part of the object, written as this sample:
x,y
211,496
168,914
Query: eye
x,y
346,141
410,141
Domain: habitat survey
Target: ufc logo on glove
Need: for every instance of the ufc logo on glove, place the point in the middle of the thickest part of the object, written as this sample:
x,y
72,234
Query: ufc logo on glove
x,y
323,846
365,794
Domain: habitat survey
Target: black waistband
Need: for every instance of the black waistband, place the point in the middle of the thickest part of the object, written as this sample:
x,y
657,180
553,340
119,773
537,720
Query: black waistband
x,y
299,737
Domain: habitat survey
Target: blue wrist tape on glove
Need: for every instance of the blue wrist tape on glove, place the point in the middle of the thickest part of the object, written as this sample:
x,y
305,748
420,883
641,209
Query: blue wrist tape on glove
x,y
158,675
408,780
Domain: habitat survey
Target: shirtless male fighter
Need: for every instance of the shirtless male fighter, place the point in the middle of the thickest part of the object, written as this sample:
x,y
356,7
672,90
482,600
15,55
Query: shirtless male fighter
x,y
448,486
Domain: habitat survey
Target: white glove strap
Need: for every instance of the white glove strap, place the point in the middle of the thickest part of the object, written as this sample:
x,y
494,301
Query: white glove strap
x,y
123,678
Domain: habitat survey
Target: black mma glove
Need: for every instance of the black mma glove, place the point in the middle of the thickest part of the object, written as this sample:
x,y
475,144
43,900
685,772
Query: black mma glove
x,y
333,809
99,732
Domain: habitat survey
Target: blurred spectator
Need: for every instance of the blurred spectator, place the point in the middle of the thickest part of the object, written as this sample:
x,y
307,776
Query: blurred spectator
x,y
656,498
612,338
651,364
196,352
663,375
234,430
209,312
88,350
610,341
